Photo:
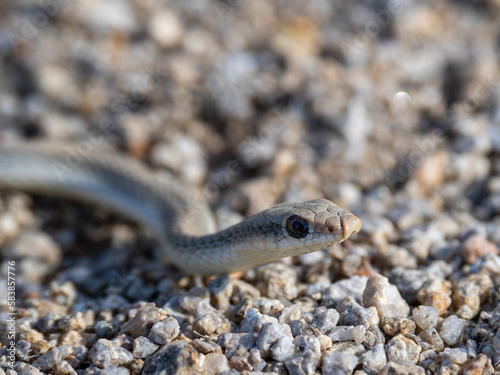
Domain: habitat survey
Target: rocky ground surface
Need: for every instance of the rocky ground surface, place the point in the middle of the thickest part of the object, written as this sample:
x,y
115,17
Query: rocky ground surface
x,y
389,108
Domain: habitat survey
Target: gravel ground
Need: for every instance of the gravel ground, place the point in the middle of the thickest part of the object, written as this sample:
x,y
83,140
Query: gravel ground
x,y
389,108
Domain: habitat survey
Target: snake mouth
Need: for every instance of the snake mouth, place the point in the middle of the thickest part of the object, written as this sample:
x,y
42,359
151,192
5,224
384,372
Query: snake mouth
x,y
350,224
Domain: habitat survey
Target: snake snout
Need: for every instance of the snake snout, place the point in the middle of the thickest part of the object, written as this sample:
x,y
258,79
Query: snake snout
x,y
350,224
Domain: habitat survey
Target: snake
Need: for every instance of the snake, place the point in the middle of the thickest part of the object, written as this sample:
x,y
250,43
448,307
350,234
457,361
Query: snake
x,y
180,219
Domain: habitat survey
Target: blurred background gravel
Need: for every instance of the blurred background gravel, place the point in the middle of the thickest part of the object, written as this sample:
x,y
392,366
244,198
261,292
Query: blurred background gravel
x,y
391,109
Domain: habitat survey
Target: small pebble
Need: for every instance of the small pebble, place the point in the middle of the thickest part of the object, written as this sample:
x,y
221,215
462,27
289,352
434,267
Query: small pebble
x,y
166,28
270,334
141,323
374,360
385,298
425,316
432,339
104,353
469,293
339,363
36,253
457,355
304,362
143,347
452,330
174,358
326,320
437,294
164,331
476,247
402,350
342,333
395,325
278,281
352,313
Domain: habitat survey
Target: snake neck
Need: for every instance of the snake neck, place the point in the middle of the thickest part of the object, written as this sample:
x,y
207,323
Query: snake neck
x,y
223,252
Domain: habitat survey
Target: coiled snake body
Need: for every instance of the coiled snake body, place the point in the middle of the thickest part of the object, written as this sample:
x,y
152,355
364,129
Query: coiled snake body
x,y
183,224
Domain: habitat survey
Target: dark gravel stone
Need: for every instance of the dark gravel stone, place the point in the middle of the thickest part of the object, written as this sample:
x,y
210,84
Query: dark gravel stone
x,y
177,358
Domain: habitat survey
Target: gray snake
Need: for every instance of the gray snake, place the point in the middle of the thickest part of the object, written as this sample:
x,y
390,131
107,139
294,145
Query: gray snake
x,y
183,224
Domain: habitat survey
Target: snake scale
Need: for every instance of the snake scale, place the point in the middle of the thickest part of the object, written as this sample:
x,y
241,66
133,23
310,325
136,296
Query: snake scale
x,y
183,224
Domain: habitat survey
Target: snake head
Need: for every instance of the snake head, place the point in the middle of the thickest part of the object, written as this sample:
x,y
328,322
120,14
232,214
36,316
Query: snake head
x,y
300,228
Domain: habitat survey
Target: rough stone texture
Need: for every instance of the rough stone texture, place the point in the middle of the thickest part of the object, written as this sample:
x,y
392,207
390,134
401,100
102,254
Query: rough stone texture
x,y
278,281
478,366
393,368
164,331
303,363
254,321
51,358
215,363
143,348
469,293
385,298
326,320
374,360
104,353
339,363
425,316
437,294
270,334
174,358
352,287
143,320
26,370
452,330
432,339
443,364
205,347
402,350
114,370
347,333
351,313
457,355
395,325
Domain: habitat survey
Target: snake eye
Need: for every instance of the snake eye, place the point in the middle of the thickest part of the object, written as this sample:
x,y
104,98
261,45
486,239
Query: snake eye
x,y
297,227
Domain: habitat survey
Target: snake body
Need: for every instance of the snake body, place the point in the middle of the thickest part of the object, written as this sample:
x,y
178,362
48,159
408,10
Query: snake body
x,y
183,224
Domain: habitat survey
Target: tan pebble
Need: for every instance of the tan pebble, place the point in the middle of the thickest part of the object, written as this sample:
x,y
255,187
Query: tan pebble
x,y
30,335
40,347
206,325
56,82
402,350
325,342
71,338
431,172
385,297
437,294
262,193
166,28
215,363
284,162
469,293
137,129
476,247
394,325
478,366
9,226
144,318
297,38
422,22
136,366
